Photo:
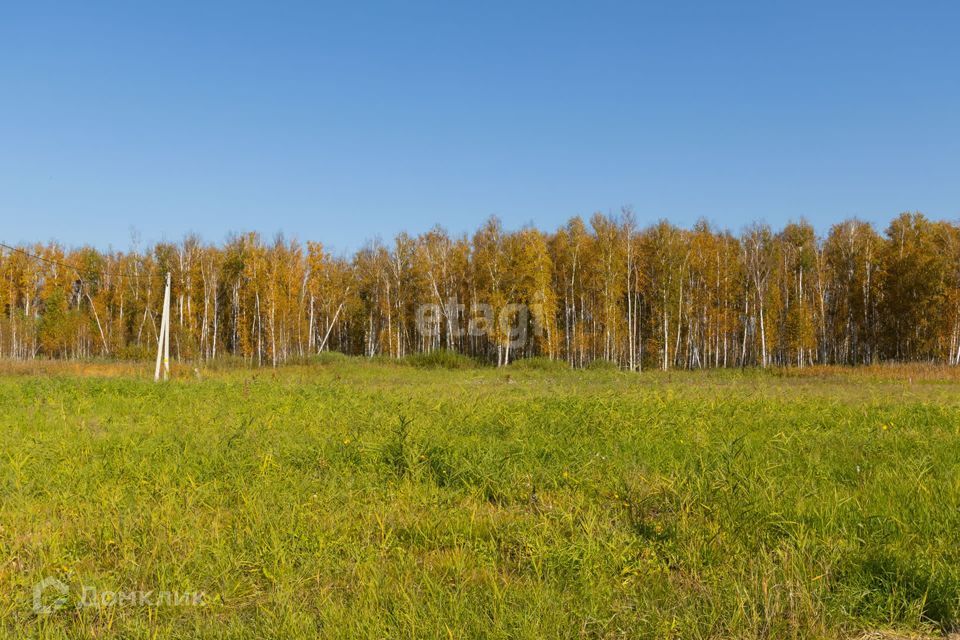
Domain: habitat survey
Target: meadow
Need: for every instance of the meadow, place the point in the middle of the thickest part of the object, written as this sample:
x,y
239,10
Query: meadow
x,y
346,498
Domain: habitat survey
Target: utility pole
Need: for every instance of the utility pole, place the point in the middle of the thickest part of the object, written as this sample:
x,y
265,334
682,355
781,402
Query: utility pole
x,y
163,341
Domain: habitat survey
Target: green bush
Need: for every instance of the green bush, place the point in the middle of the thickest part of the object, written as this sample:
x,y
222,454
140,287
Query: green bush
x,y
440,359
540,363
330,357
602,365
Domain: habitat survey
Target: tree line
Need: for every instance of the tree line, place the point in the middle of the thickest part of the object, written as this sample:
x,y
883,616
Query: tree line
x,y
642,297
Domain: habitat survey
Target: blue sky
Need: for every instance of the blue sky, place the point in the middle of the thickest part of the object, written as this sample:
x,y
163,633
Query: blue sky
x,y
342,122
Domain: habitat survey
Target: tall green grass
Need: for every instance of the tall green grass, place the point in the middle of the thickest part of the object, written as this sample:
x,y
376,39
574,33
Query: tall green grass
x,y
359,500
440,359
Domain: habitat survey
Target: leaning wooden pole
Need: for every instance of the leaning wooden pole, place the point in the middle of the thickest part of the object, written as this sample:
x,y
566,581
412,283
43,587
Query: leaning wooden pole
x,y
163,340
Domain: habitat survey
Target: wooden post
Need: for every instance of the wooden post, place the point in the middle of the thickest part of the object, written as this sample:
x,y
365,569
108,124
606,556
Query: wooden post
x,y
163,341
166,335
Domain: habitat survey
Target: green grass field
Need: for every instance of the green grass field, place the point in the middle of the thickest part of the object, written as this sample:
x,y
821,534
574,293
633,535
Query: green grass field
x,y
353,499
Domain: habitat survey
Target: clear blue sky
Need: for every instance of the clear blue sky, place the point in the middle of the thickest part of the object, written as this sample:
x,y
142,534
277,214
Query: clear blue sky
x,y
341,122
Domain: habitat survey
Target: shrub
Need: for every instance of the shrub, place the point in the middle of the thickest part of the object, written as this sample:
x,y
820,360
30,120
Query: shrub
x,y
603,365
440,359
540,363
330,357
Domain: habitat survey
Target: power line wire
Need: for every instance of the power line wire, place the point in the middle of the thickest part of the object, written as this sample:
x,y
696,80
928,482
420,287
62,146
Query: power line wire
x,y
79,272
